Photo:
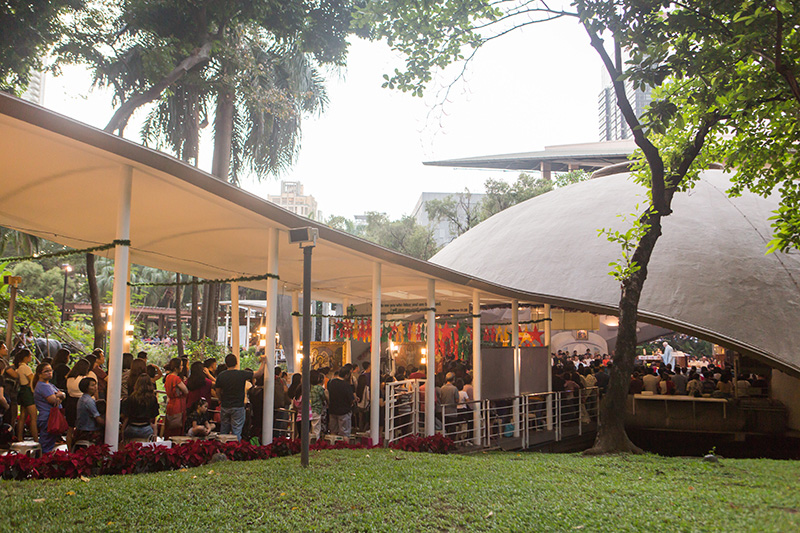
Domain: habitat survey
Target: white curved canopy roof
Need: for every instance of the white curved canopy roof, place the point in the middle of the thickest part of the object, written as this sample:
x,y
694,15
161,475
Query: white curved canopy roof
x,y
61,180
709,275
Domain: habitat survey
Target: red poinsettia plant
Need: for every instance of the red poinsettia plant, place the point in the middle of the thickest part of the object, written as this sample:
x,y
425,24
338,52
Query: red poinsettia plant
x,y
135,458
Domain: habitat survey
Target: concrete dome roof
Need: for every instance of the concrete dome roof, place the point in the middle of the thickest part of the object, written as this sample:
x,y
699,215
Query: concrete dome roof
x,y
708,276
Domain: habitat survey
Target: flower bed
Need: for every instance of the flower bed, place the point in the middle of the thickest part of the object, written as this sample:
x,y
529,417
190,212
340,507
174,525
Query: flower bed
x,y
135,458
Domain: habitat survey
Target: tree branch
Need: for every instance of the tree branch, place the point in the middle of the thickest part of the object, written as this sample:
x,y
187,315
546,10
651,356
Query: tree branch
x,y
124,112
650,151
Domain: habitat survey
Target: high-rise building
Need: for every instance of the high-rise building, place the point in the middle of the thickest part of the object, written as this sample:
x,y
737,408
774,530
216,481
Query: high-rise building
x,y
35,92
293,199
445,231
612,125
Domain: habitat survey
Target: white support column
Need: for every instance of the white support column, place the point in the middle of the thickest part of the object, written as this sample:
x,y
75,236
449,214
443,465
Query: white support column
x,y
268,416
348,344
235,343
120,295
248,314
477,371
517,361
375,357
228,335
430,374
326,322
292,361
549,415
126,340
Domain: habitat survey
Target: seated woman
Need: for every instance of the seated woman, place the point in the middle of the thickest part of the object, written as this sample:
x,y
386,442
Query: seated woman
x,y
198,419
88,419
140,410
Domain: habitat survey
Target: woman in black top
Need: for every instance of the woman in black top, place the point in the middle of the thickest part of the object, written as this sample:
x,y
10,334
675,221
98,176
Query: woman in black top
x,y
140,410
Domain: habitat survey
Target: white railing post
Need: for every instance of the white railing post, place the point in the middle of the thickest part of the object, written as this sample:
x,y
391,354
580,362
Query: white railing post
x,y
387,422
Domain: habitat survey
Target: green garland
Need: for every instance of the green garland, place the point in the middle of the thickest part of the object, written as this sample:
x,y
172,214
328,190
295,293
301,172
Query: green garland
x,y
204,281
67,253
537,321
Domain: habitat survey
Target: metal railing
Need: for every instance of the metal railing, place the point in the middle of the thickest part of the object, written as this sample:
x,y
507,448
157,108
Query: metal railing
x,y
402,409
518,421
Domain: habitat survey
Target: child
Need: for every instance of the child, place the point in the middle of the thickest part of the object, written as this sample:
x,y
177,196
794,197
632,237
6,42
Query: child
x,y
198,422
88,418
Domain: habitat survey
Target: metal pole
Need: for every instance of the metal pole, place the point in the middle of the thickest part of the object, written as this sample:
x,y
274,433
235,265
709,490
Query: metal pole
x,y
291,362
64,297
306,354
10,323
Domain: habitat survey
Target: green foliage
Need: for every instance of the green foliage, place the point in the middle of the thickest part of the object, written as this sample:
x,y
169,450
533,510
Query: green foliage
x,y
27,31
460,211
563,179
390,490
735,59
501,195
403,235
628,241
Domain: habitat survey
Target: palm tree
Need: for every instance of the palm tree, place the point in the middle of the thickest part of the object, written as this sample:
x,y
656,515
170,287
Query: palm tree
x,y
19,242
260,94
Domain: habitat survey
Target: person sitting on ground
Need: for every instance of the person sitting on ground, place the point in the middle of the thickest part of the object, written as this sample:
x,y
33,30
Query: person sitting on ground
x,y
198,420
140,410
88,420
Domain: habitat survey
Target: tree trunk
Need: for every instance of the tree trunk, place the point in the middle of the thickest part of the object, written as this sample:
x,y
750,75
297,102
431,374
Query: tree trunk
x,y
204,310
94,296
611,434
179,325
210,310
195,302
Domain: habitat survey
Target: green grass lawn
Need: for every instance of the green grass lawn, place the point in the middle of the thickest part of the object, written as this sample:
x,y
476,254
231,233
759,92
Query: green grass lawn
x,y
381,490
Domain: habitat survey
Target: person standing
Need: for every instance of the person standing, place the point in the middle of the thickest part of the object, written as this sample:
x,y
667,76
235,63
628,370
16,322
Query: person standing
x,y
668,357
342,398
46,397
230,391
450,396
25,396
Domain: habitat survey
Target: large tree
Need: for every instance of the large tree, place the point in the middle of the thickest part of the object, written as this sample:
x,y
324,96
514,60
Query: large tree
x,y
28,29
436,35
196,49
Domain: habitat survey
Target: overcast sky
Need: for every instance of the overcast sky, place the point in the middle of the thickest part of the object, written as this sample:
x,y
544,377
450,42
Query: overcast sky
x,y
527,90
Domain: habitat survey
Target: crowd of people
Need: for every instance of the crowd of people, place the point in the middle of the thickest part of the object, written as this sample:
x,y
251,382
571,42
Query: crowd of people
x,y
700,378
